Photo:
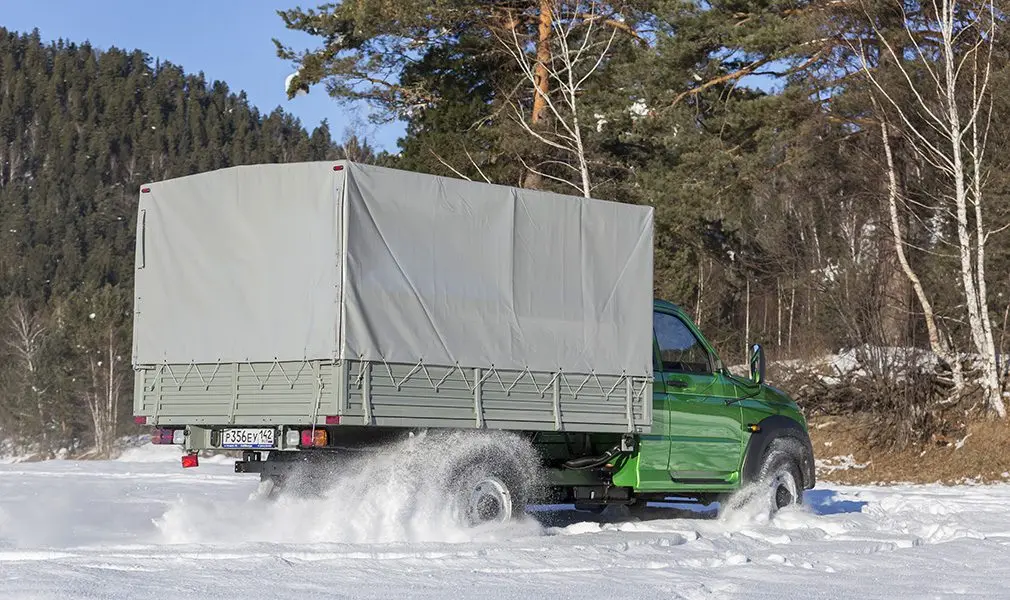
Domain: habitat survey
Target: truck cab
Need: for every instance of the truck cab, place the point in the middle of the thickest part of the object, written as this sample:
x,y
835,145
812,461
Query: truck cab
x,y
711,427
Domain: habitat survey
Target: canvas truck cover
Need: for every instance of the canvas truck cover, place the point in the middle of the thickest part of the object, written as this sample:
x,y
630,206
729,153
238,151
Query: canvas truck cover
x,y
337,260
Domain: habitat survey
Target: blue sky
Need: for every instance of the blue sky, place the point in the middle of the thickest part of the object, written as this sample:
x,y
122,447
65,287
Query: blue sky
x,y
229,40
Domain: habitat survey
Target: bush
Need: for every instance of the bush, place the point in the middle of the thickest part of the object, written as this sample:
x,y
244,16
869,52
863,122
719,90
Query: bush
x,y
901,397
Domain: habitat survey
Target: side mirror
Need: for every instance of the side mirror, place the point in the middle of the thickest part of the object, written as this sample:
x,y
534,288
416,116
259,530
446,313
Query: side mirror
x,y
757,364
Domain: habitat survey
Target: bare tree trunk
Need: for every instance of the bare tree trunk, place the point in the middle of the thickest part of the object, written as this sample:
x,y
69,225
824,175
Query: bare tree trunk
x,y
972,276
764,313
28,337
778,294
935,343
792,308
701,293
542,81
103,397
746,328
992,366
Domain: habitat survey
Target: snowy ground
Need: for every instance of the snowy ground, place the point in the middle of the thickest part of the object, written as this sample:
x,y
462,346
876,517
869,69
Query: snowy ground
x,y
141,527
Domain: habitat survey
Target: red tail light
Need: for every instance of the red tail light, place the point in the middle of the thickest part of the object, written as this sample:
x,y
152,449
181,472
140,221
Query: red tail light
x,y
190,460
140,420
314,437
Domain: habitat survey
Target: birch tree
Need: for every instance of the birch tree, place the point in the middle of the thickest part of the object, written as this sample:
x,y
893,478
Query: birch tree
x,y
579,45
105,371
27,335
100,332
937,343
947,123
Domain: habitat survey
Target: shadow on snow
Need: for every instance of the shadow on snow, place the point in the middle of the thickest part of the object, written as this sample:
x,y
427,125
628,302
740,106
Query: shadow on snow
x,y
821,502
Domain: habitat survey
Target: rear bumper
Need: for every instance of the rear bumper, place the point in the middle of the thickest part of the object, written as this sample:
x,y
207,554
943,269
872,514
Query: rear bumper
x,y
259,466
283,462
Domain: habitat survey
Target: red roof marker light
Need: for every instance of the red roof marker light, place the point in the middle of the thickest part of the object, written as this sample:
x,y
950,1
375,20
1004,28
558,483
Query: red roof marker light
x,y
338,167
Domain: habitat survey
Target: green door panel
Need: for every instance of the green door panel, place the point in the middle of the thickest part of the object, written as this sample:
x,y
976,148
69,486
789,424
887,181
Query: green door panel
x,y
698,437
706,436
701,415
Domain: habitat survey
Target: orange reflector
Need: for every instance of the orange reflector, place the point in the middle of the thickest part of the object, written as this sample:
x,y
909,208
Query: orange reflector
x,y
190,460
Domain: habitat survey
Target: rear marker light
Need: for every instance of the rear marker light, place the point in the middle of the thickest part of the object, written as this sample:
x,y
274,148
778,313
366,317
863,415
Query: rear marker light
x,y
313,437
168,436
145,190
140,420
190,460
338,167
333,420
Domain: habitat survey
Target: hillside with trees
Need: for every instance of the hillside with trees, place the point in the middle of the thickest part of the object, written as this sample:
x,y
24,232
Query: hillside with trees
x,y
827,176
80,131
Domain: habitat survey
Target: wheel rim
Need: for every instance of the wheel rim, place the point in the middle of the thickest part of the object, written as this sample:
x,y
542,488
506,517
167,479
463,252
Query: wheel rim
x,y
490,501
783,488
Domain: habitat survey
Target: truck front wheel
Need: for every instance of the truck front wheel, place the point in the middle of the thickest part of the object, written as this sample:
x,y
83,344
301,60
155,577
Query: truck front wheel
x,y
777,484
780,477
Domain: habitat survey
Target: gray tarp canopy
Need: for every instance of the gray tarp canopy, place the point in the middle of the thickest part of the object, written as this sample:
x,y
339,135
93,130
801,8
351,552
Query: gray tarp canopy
x,y
337,260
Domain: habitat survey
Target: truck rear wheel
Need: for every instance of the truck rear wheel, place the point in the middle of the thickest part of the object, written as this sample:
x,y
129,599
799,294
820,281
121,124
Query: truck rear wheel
x,y
487,490
490,501
489,482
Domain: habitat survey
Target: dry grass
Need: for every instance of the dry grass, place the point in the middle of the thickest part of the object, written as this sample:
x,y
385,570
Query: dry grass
x,y
983,456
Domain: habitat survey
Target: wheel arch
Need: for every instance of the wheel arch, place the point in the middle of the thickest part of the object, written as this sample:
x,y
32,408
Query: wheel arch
x,y
773,428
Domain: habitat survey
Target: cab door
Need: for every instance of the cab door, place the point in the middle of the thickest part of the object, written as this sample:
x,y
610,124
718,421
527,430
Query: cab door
x,y
706,436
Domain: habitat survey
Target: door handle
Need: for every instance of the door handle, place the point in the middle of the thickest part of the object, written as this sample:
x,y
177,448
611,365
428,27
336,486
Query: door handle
x,y
676,383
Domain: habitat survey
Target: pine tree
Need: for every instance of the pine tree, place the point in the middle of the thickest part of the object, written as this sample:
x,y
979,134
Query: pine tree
x,y
80,131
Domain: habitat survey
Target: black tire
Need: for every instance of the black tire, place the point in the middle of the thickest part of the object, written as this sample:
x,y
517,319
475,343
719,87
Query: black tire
x,y
780,472
778,483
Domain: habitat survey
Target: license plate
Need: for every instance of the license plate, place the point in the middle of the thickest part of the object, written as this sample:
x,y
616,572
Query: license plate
x,y
247,438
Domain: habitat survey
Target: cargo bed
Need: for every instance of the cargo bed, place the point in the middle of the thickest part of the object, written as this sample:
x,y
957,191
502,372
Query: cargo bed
x,y
390,395
333,293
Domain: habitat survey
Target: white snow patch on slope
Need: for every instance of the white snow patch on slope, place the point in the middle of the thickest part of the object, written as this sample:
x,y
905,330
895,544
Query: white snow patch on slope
x,y
838,463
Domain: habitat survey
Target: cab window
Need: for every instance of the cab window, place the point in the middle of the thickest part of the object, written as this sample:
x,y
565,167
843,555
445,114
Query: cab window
x,y
679,349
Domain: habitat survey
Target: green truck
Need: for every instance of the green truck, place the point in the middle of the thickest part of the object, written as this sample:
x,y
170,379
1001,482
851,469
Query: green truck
x,y
304,313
